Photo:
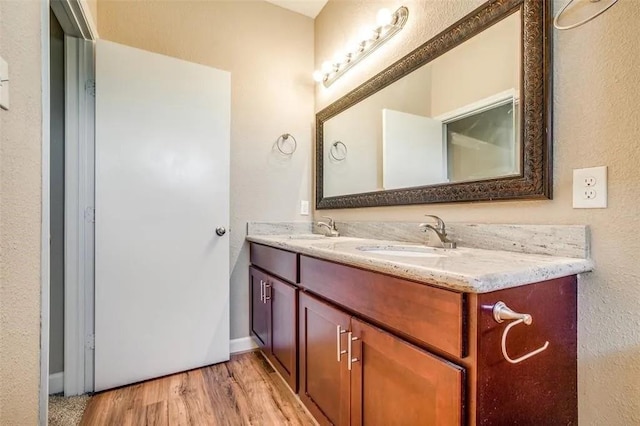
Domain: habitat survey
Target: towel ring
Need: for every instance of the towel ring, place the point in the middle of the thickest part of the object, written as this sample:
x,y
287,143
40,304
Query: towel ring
x,y
282,139
584,21
336,155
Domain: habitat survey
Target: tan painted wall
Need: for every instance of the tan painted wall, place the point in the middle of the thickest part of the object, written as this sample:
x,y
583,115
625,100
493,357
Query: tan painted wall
x,y
483,66
93,10
20,196
595,123
268,51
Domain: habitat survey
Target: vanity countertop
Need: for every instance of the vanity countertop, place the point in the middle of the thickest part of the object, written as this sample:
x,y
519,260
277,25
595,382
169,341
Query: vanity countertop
x,y
462,269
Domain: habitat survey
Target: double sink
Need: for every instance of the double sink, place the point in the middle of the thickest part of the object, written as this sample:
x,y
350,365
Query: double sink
x,y
394,250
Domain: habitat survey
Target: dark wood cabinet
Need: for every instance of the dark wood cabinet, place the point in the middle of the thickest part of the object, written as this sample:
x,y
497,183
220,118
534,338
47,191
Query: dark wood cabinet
x,y
365,348
404,384
394,382
324,377
413,310
260,311
427,355
279,263
274,322
283,300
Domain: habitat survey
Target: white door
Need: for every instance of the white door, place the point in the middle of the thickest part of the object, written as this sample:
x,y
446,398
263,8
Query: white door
x,y
412,148
162,189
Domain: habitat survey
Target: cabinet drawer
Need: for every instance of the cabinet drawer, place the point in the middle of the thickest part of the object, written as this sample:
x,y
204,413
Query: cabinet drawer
x,y
427,314
282,263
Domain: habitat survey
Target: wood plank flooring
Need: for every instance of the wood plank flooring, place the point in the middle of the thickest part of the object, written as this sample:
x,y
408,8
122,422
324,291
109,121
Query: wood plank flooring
x,y
244,391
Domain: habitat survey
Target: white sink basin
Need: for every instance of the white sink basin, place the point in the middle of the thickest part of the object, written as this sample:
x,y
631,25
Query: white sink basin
x,y
404,251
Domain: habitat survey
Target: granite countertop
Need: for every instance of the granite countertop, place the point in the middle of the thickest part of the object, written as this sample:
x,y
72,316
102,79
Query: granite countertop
x,y
463,269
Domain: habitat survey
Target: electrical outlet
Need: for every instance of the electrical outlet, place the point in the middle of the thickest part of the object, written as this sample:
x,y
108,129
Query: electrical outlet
x,y
590,188
304,208
4,84
590,194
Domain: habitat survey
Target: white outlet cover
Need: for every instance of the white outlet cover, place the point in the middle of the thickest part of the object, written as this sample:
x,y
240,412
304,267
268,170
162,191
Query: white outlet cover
x,y
304,208
590,188
4,85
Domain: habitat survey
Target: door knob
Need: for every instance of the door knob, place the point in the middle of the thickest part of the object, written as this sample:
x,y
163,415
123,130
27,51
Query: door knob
x,y
220,231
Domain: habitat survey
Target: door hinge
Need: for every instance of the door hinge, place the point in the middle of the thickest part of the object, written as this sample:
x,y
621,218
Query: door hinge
x,y
90,87
90,215
90,343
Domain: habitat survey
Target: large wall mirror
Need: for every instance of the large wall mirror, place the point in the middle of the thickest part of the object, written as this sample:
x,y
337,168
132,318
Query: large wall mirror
x,y
465,117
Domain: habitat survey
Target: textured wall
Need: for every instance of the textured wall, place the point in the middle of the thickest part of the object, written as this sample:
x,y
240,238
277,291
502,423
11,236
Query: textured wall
x,y
595,123
20,201
268,51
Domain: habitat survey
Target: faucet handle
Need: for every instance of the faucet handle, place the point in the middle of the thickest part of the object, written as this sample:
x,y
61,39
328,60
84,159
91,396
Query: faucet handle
x,y
331,222
438,220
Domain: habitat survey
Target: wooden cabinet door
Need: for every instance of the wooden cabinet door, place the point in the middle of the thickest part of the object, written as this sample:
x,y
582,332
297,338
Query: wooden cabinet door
x,y
283,302
396,383
324,378
260,318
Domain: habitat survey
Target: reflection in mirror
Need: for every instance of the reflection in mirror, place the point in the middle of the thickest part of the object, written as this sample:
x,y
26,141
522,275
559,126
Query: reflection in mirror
x,y
455,119
485,144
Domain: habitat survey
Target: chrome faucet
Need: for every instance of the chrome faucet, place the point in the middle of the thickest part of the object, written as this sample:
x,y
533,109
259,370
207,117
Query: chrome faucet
x,y
331,227
440,231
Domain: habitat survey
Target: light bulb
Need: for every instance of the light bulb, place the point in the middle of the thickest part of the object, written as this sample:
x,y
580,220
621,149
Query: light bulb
x,y
384,17
318,76
326,67
367,34
354,48
338,58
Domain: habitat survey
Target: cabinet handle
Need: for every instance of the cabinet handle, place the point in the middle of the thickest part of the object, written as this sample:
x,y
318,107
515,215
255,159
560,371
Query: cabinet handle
x,y
267,294
262,291
350,360
339,332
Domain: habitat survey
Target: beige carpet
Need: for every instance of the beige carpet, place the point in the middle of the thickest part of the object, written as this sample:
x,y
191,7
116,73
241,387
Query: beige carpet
x,y
66,411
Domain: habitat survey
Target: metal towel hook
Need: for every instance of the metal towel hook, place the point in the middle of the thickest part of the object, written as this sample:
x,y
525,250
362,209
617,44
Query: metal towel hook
x,y
502,312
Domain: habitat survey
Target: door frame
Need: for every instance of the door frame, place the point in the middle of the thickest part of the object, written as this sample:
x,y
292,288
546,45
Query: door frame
x,y
45,252
76,20
78,216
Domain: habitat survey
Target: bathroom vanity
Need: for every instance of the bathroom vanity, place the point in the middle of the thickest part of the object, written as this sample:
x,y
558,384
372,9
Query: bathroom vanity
x,y
377,332
390,333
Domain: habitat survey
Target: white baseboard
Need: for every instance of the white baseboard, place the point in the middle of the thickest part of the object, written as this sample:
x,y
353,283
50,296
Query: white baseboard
x,y
56,383
244,344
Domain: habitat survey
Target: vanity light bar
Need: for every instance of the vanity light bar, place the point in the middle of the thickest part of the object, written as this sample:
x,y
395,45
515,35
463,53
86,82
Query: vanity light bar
x,y
388,25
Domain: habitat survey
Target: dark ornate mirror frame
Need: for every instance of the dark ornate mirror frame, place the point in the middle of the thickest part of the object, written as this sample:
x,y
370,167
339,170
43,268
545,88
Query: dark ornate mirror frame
x,y
535,182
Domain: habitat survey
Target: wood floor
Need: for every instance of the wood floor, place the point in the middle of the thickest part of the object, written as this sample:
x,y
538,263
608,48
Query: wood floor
x,y
244,391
